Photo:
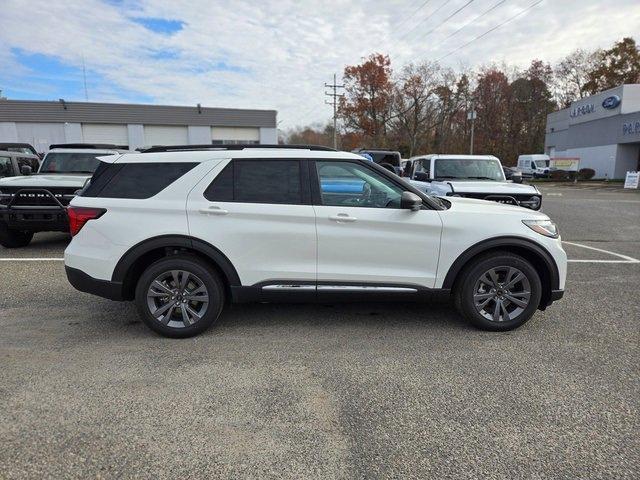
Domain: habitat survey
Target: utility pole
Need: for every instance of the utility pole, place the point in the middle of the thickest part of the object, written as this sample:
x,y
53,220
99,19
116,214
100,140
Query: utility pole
x,y
471,116
84,77
334,103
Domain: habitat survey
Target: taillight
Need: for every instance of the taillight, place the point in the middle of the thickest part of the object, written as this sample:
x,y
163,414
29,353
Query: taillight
x,y
78,216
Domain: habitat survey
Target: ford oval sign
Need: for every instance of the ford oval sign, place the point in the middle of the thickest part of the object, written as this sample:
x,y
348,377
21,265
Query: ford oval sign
x,y
611,102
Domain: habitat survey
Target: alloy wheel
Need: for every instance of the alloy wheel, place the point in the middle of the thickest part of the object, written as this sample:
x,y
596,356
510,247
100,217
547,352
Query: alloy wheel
x,y
501,294
177,298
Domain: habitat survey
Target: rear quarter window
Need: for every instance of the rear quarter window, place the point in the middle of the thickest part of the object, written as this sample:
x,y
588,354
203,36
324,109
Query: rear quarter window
x,y
134,180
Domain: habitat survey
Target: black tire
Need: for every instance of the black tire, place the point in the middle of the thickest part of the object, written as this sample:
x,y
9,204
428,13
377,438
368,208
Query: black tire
x,y
10,238
200,273
503,265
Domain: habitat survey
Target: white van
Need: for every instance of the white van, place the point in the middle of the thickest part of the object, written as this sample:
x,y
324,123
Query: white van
x,y
536,165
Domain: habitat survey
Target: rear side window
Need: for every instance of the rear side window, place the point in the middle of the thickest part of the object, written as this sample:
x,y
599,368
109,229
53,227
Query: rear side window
x,y
257,181
134,180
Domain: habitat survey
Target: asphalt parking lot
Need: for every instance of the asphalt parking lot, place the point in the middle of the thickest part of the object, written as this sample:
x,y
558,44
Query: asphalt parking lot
x,y
321,391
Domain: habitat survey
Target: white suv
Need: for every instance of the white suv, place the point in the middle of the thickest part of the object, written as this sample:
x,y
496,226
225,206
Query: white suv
x,y
184,231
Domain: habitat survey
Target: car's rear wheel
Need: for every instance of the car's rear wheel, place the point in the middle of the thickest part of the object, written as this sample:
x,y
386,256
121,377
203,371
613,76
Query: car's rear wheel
x,y
499,291
179,296
10,238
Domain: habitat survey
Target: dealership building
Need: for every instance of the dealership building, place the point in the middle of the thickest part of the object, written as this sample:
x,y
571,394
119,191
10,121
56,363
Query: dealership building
x,y
42,123
603,131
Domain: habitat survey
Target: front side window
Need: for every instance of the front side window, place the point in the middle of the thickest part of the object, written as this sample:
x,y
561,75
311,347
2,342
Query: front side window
x,y
354,185
469,168
257,181
31,162
72,162
6,169
542,163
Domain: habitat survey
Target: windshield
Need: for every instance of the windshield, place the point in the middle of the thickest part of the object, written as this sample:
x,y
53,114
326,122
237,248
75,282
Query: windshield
x,y
469,168
542,163
72,162
392,158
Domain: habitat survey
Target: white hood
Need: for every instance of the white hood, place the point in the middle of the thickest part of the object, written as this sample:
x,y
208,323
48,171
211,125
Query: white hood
x,y
488,186
45,181
473,205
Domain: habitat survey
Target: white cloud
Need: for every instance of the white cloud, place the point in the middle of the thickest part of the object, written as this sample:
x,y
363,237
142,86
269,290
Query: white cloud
x,y
278,54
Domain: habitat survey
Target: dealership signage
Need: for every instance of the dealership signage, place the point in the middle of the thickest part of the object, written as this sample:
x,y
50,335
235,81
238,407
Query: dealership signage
x,y
632,179
631,128
585,109
611,102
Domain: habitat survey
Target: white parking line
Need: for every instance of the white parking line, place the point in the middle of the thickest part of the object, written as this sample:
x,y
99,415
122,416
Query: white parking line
x,y
44,259
625,258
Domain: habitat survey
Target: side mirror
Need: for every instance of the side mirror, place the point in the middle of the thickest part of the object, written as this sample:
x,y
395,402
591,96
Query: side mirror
x,y
421,177
25,170
410,201
516,177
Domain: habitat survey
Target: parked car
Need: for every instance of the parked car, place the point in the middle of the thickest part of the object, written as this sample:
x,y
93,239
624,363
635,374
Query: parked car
x,y
471,176
37,203
184,233
389,159
19,148
536,166
13,164
513,174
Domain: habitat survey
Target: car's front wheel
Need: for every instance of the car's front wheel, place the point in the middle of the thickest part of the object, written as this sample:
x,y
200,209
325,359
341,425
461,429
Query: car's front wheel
x,y
179,296
10,238
499,291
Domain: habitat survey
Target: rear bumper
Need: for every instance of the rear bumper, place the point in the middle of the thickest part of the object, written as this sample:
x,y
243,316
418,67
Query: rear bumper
x,y
101,288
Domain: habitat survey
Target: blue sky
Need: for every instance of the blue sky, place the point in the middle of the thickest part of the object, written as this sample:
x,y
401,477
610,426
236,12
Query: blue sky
x,y
273,54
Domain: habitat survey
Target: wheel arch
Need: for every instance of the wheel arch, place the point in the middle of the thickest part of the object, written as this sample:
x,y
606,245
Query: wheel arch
x,y
539,257
137,258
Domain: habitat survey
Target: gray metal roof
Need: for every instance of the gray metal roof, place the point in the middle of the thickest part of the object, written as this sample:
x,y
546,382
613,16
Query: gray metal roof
x,y
89,112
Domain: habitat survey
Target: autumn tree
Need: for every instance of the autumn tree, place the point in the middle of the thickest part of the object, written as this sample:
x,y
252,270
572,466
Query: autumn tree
x,y
618,65
366,107
492,103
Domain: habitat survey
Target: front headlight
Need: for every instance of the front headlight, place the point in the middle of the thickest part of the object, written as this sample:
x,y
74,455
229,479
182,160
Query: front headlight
x,y
532,202
543,227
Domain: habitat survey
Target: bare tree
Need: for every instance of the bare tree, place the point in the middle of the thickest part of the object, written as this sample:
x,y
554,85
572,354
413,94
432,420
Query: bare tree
x,y
572,75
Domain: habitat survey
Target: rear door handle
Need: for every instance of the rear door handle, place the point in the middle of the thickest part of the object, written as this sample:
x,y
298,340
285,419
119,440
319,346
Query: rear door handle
x,y
342,218
215,210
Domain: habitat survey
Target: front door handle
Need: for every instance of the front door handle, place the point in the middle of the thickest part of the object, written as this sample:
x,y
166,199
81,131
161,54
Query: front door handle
x,y
342,218
215,210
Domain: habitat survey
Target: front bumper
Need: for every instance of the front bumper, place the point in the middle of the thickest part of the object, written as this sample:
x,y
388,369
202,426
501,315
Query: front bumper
x,y
25,211
36,219
86,283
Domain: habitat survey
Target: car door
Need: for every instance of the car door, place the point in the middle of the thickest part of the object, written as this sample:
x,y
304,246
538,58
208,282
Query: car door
x,y
364,237
258,213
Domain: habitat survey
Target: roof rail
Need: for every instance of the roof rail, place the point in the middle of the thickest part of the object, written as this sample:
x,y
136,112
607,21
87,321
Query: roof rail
x,y
97,146
179,148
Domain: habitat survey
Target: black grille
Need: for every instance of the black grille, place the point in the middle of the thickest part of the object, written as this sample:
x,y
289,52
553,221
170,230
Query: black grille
x,y
36,196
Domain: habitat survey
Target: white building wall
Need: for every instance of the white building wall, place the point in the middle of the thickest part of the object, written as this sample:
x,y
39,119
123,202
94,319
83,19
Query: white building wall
x,y
602,159
199,135
135,134
73,133
268,136
41,135
8,132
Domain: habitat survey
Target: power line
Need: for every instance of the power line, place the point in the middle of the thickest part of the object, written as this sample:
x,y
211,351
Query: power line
x,y
413,13
490,30
469,23
448,18
423,20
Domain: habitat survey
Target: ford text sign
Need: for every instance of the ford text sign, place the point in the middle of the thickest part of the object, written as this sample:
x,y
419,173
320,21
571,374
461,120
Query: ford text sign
x,y
611,102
